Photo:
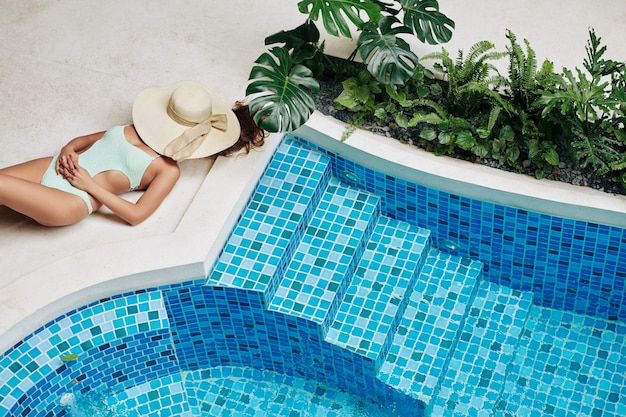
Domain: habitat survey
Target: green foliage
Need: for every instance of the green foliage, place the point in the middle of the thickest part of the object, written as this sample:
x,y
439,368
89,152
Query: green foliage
x,y
522,90
333,12
359,92
595,64
544,155
301,41
427,22
473,106
596,149
302,44
514,119
389,57
524,79
589,107
505,148
470,79
442,129
284,101
398,97
511,119
380,44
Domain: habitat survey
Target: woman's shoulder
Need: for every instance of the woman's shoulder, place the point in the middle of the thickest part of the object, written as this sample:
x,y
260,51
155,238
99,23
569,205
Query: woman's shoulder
x,y
164,171
167,165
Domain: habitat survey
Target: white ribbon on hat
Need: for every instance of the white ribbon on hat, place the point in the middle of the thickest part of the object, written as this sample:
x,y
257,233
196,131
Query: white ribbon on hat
x,y
190,140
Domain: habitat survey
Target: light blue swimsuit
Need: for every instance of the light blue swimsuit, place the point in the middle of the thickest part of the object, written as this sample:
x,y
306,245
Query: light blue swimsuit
x,y
112,152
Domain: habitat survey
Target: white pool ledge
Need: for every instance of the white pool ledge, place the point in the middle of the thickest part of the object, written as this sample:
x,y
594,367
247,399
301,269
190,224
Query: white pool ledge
x,y
472,180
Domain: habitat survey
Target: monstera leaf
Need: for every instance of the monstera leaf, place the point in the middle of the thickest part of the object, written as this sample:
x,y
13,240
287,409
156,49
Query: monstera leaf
x,y
389,58
333,12
427,22
283,102
301,40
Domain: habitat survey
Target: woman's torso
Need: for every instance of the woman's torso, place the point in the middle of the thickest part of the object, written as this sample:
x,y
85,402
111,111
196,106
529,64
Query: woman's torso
x,y
106,168
119,162
121,155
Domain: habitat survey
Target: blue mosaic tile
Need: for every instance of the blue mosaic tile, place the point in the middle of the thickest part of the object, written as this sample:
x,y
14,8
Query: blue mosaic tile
x,y
271,224
70,337
568,264
383,280
486,346
324,261
567,365
229,391
163,397
111,367
220,326
428,330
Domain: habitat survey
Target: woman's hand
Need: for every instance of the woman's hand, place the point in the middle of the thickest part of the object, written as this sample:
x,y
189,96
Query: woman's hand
x,y
67,161
78,176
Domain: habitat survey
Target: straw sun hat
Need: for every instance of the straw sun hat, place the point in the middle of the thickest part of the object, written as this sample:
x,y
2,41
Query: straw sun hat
x,y
184,121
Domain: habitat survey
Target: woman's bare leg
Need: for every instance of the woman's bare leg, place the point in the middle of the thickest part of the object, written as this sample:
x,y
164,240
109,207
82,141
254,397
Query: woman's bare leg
x,y
21,191
30,171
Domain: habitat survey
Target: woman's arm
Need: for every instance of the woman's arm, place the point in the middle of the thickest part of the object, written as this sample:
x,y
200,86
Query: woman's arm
x,y
133,213
70,151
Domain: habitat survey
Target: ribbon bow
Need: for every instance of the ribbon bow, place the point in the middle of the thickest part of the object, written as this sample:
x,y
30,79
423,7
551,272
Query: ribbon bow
x,y
190,140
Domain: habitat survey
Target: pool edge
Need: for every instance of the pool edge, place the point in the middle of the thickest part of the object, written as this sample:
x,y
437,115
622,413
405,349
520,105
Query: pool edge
x,y
465,178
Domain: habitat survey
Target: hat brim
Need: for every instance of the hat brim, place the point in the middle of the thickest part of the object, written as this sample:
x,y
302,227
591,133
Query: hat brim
x,y
157,129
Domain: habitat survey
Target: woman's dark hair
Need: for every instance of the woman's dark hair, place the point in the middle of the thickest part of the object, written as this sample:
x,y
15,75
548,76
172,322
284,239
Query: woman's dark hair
x,y
251,136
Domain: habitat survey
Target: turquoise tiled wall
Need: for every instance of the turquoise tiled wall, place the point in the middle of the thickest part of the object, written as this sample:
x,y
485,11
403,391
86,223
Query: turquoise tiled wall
x,y
216,326
129,340
111,344
568,264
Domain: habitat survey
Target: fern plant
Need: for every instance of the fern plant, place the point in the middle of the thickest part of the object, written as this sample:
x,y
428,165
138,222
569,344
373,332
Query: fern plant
x,y
472,95
522,88
524,78
590,107
470,79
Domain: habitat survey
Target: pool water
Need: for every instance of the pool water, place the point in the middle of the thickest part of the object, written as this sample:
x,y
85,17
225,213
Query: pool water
x,y
225,391
338,294
568,364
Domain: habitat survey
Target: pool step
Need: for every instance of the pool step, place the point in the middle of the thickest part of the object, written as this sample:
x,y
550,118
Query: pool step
x,y
324,261
380,289
320,250
428,332
476,372
272,224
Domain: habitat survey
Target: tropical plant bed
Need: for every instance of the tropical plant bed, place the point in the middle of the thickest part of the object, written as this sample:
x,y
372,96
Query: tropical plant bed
x,y
566,125
331,88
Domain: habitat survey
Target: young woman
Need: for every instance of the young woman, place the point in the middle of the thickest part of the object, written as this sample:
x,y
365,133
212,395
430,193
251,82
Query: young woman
x,y
170,124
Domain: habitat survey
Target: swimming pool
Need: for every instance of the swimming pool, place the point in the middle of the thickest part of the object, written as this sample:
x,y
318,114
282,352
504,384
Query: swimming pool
x,y
422,300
